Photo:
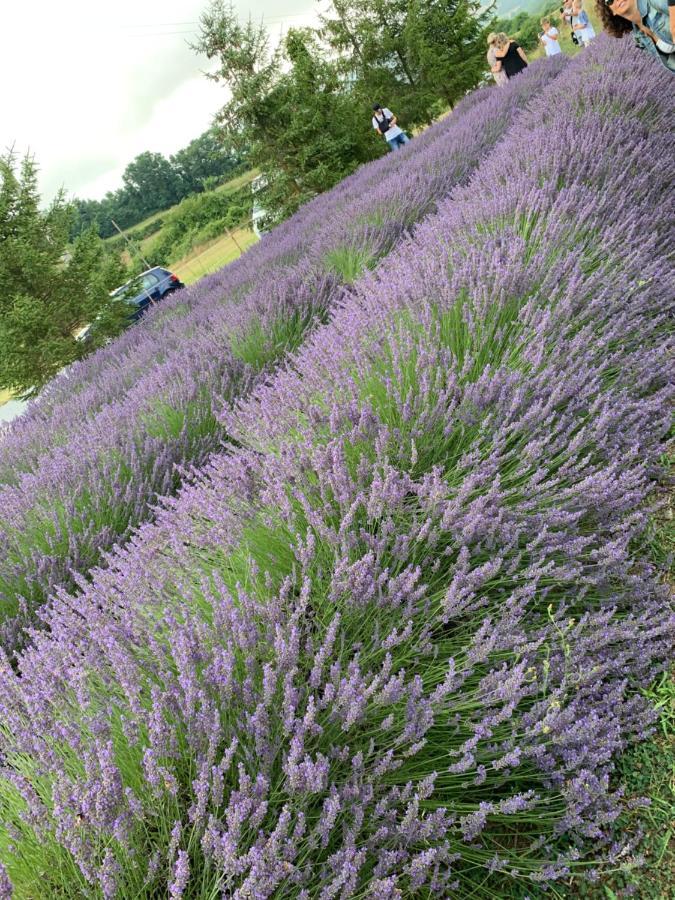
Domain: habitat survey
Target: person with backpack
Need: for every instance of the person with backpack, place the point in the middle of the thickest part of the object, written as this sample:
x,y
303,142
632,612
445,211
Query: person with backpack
x,y
650,22
384,122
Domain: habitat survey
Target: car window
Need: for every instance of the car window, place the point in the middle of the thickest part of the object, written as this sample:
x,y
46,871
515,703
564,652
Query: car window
x,y
149,281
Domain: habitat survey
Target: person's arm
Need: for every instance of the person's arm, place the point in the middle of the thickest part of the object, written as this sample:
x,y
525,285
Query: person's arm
x,y
521,54
671,16
650,34
496,68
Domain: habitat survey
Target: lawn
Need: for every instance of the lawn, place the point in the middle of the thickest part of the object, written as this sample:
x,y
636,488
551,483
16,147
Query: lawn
x,y
214,255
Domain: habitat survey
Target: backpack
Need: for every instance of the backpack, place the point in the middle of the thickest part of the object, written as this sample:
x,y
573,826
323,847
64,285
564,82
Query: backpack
x,y
384,124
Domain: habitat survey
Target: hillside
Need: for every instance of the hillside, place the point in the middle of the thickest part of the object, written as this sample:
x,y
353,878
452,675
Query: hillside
x,y
505,8
195,237
338,575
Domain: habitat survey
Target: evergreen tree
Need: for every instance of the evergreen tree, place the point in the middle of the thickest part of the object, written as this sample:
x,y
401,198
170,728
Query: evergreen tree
x,y
47,290
412,55
291,108
445,41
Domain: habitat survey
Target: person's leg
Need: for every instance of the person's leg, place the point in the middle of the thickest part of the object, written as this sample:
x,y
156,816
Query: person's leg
x,y
392,144
402,139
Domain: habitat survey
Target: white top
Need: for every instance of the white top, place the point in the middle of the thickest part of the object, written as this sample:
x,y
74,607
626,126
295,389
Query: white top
x,y
552,46
587,32
392,132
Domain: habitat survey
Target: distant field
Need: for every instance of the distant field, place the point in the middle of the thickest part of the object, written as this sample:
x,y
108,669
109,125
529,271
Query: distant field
x,y
228,188
236,183
566,44
5,396
212,256
205,258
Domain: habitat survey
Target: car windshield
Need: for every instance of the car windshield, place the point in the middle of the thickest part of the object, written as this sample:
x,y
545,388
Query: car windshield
x,y
121,291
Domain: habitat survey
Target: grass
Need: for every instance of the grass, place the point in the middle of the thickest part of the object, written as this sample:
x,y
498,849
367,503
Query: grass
x,y
236,183
216,253
5,396
564,30
350,262
213,255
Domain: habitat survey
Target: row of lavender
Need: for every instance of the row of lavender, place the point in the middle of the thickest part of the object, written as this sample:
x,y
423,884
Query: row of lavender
x,y
327,223
88,466
390,647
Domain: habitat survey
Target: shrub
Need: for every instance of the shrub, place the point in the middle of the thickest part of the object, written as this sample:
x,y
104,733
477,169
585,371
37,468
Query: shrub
x,y
81,471
391,644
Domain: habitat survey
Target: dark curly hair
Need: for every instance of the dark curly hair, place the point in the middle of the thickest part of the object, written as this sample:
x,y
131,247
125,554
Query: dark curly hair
x,y
617,26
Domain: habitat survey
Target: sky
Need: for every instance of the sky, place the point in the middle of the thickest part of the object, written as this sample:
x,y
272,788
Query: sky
x,y
87,86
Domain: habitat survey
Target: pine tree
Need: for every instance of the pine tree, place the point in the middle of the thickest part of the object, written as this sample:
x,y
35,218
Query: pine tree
x,y
47,289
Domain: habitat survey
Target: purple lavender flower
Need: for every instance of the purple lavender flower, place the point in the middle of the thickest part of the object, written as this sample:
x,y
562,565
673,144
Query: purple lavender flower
x,y
410,587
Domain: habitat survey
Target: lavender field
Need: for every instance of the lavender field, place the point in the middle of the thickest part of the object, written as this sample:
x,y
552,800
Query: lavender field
x,y
331,579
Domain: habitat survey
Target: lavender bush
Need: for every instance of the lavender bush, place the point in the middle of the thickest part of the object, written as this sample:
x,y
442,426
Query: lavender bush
x,y
116,432
390,646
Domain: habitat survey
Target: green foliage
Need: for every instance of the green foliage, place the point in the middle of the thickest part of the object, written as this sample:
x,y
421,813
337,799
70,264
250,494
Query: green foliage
x,y
197,219
648,772
47,289
445,42
525,28
291,108
151,183
262,345
204,163
349,262
303,111
410,54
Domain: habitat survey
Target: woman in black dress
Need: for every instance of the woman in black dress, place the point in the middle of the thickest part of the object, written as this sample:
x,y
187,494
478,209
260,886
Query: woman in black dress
x,y
511,54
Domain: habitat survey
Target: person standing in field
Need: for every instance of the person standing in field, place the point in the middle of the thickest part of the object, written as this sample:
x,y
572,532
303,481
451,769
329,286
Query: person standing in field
x,y
511,54
550,38
495,64
581,24
384,122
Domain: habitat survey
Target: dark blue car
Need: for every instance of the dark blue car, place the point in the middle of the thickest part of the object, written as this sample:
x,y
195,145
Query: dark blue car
x,y
148,287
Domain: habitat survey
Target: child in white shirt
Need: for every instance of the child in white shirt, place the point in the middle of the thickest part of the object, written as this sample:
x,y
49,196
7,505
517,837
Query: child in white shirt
x,y
550,38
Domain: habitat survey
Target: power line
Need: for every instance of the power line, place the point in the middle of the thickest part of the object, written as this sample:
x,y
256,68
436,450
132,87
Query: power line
x,y
273,20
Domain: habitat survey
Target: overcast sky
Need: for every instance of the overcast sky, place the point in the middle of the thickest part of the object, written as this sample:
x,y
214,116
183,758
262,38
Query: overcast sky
x,y
87,86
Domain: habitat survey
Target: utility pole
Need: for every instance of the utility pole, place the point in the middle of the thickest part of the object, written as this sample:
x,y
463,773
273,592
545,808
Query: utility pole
x,y
231,235
130,243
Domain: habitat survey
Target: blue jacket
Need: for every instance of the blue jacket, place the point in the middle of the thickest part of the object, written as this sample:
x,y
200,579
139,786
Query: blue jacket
x,y
655,17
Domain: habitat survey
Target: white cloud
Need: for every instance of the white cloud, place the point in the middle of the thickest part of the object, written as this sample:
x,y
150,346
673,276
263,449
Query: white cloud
x,y
87,87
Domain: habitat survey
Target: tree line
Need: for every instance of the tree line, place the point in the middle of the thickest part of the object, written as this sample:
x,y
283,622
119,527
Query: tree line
x,y
151,183
301,111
